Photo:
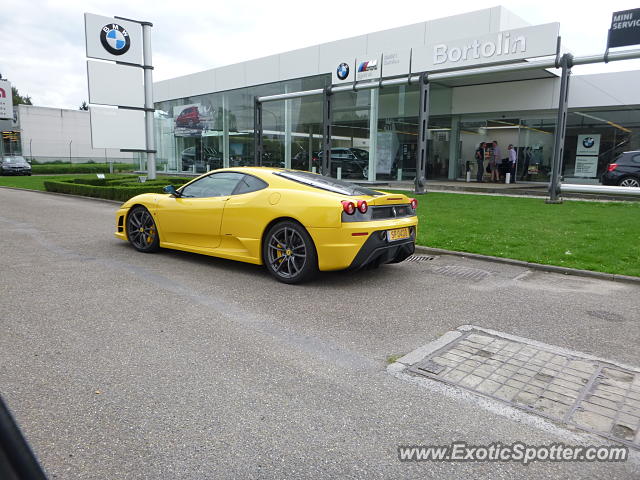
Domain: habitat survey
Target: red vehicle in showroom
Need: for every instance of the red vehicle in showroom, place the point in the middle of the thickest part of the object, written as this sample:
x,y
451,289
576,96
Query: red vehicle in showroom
x,y
189,117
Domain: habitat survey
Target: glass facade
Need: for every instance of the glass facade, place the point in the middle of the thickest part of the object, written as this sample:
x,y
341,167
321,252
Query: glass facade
x,y
375,134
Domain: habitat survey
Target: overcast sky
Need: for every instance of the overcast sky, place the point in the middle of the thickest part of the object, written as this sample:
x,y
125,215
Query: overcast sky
x,y
42,42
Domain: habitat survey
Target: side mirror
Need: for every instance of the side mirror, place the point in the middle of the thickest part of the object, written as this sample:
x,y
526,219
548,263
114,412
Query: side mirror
x,y
170,189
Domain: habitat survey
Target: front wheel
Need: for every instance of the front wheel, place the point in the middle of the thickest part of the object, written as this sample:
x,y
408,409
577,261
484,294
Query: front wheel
x,y
141,230
289,254
629,182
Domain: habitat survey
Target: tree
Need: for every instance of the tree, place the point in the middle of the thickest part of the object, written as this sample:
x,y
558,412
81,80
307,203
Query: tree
x,y
20,99
84,106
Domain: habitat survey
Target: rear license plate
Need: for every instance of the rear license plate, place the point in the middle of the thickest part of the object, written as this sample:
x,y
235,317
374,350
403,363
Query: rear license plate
x,y
398,234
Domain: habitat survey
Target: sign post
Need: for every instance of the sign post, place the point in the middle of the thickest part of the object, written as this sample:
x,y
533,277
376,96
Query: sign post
x,y
126,44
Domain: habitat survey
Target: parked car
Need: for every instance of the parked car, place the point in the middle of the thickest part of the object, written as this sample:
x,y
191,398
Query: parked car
x,y
625,171
15,165
354,162
209,159
294,223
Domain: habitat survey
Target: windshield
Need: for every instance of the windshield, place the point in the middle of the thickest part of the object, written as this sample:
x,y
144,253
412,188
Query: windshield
x,y
14,160
327,183
361,153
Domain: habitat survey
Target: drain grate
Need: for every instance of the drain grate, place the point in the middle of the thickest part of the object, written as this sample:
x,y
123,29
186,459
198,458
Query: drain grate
x,y
419,258
474,274
594,396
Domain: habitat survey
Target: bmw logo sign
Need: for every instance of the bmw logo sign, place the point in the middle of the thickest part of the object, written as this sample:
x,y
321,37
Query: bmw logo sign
x,y
588,142
343,71
115,39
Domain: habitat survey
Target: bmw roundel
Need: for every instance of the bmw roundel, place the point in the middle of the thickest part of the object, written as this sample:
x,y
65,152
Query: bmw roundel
x,y
588,142
343,71
115,39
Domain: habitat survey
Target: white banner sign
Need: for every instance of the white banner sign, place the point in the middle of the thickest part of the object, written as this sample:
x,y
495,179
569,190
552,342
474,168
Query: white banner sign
x,y
6,100
369,67
501,47
396,63
113,84
588,144
344,72
586,167
108,38
117,128
372,67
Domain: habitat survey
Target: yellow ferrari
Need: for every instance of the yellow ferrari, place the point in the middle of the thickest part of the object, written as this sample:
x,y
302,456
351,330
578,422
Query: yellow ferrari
x,y
293,222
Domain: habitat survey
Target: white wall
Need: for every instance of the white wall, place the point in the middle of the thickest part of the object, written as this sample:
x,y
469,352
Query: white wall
x,y
585,91
47,132
325,57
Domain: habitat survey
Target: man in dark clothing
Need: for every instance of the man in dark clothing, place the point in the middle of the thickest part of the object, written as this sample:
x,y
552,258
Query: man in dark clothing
x,y
480,161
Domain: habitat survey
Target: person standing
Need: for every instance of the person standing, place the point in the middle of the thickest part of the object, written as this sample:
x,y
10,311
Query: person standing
x,y
513,161
495,162
480,162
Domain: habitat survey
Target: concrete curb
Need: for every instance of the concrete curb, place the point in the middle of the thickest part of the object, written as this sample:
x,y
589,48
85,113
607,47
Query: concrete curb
x,y
534,266
116,202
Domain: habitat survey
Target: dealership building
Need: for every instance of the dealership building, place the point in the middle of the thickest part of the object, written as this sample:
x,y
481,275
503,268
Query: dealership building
x,y
206,119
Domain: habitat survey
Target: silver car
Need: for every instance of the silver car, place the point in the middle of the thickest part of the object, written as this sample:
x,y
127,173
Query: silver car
x,y
15,165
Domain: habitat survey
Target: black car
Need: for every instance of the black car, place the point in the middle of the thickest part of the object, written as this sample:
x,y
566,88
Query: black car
x,y
15,165
354,162
209,159
625,171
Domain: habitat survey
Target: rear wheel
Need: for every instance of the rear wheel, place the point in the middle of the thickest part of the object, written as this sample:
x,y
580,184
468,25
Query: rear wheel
x,y
141,230
289,254
629,182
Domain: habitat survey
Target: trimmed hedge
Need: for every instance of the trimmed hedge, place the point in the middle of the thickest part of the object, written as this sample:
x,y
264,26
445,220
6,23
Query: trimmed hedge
x,y
58,168
110,189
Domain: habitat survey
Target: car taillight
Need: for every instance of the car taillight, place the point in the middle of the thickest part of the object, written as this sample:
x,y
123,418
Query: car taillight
x,y
414,203
611,167
362,206
348,207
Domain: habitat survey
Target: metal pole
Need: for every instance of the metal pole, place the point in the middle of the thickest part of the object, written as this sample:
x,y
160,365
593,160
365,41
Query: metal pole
x,y
373,135
561,127
70,161
423,133
225,132
257,132
148,100
287,131
326,132
310,153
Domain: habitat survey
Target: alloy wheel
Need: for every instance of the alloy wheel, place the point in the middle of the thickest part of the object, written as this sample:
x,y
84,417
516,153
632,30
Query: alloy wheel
x,y
286,252
141,229
630,182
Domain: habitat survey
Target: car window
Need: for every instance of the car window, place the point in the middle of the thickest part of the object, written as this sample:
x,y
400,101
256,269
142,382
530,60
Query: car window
x,y
326,183
249,183
362,153
214,185
636,159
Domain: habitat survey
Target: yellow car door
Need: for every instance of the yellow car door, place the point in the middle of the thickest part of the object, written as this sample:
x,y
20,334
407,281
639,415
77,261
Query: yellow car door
x,y
194,217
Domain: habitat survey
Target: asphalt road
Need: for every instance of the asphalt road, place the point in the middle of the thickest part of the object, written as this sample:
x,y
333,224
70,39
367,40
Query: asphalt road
x,y
120,365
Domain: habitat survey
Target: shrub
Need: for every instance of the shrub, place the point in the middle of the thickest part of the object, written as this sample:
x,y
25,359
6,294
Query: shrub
x,y
58,168
111,189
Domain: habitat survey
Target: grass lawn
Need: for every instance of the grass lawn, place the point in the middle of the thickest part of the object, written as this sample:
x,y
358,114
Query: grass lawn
x,y
601,236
